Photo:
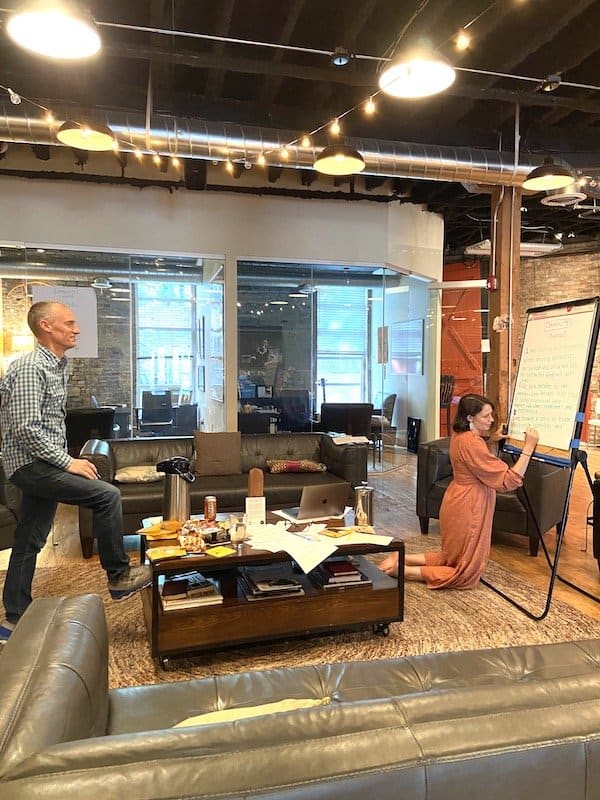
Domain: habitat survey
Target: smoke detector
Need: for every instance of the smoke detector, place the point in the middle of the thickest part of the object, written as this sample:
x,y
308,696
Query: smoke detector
x,y
567,196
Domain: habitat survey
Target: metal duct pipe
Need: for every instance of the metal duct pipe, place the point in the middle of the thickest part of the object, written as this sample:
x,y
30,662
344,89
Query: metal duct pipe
x,y
194,138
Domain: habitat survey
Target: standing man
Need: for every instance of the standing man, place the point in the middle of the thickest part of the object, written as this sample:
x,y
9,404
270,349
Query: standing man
x,y
34,451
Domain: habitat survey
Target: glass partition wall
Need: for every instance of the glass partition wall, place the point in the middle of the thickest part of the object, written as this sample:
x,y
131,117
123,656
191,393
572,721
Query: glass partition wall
x,y
151,342
310,334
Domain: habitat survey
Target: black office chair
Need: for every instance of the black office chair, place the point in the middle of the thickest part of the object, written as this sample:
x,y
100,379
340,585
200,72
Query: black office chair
x,y
294,410
351,418
253,423
446,394
87,423
382,427
186,419
156,413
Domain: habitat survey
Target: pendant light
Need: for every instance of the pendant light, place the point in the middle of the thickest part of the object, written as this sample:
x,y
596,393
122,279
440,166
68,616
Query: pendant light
x,y
86,136
416,73
54,28
339,159
548,176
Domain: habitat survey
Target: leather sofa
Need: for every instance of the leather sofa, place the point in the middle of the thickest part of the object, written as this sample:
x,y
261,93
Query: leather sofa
x,y
541,498
10,503
345,463
508,724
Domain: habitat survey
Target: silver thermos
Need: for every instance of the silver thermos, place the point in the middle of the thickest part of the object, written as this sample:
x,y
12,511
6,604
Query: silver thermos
x,y
363,504
178,476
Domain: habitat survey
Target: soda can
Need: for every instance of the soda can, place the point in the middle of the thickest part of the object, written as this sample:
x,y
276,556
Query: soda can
x,y
210,507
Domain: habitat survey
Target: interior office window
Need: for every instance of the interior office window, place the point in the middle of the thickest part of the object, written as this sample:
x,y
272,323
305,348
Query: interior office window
x,y
342,342
165,337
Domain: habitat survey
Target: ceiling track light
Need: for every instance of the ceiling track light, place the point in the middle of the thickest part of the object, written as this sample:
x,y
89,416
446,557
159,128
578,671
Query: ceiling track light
x,y
415,74
340,57
339,159
550,84
548,176
86,136
54,28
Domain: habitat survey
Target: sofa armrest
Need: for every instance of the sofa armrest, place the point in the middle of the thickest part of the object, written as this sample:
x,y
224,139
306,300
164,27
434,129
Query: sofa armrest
x,y
99,452
433,464
348,461
545,485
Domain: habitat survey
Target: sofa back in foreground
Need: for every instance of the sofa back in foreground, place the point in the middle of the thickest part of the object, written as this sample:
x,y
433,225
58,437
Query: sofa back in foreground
x,y
507,724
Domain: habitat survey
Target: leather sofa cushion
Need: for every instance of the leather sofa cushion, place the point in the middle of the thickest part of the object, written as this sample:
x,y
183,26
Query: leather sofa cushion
x,y
218,453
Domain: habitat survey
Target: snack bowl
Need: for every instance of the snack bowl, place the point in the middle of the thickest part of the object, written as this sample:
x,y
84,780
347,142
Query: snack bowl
x,y
192,541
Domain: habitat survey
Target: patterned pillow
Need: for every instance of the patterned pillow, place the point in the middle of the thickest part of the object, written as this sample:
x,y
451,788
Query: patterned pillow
x,y
289,465
146,473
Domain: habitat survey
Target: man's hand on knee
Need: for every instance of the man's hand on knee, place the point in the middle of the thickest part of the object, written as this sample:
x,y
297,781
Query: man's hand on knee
x,y
83,467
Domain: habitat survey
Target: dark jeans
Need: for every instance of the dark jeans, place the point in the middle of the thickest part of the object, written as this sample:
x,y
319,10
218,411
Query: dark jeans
x,y
44,486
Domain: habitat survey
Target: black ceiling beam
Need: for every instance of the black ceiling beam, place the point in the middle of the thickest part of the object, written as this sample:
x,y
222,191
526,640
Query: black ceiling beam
x,y
272,83
215,80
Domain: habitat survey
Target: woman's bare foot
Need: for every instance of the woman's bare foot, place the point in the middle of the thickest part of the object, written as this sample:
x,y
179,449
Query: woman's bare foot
x,y
390,565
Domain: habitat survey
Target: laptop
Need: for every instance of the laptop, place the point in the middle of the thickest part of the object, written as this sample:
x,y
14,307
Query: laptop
x,y
319,503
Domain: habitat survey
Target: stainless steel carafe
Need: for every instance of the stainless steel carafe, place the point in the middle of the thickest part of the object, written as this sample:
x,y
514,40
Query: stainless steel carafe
x,y
178,476
363,504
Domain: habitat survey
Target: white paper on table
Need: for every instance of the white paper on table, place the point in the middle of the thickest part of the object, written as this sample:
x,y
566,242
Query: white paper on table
x,y
306,547
364,538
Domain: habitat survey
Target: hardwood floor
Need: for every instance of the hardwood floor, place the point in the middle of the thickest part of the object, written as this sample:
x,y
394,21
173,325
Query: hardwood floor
x,y
576,564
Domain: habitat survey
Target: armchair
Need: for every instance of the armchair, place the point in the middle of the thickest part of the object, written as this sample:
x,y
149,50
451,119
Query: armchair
x,y
545,486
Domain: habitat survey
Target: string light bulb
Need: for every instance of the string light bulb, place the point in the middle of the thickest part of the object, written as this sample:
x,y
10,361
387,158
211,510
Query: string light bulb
x,y
176,162
261,160
305,142
14,97
156,159
229,167
335,127
285,153
462,40
138,154
369,107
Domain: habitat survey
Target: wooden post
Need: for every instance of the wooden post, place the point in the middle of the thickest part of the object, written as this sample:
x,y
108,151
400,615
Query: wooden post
x,y
504,296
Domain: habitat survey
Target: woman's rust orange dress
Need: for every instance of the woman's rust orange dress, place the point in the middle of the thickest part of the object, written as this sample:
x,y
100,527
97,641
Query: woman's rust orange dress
x,y
466,514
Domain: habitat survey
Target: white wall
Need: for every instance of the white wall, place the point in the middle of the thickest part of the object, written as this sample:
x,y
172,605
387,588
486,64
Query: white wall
x,y
92,216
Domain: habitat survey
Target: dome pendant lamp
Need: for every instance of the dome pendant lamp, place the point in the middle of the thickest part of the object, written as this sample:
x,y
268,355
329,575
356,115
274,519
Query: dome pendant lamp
x,y
54,28
339,159
548,176
86,136
416,73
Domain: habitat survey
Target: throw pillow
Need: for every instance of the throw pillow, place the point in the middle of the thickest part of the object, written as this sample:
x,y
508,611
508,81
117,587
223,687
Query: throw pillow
x,y
299,465
233,714
145,473
218,453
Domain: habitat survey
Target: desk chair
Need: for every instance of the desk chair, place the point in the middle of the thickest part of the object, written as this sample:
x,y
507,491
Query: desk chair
x,y
446,394
253,423
351,418
156,413
294,410
87,423
381,425
186,419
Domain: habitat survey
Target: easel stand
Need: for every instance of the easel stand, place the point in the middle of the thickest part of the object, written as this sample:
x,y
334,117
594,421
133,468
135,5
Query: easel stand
x,y
577,457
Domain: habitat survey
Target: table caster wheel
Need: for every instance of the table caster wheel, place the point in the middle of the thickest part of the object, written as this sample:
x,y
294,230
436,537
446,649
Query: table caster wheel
x,y
381,629
164,662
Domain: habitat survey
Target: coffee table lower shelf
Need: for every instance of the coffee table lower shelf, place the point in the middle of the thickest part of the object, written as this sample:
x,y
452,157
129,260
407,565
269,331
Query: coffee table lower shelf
x,y
237,621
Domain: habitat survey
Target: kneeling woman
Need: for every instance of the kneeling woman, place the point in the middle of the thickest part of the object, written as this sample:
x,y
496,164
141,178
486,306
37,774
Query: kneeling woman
x,y
468,506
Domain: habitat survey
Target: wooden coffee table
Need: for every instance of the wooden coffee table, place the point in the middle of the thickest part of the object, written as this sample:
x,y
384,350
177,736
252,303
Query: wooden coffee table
x,y
239,621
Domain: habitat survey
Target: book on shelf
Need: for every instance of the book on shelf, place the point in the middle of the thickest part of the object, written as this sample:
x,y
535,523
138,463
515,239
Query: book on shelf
x,y
251,593
323,577
188,590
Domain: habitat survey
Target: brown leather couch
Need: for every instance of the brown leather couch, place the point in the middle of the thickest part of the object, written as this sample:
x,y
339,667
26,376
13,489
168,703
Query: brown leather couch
x,y
345,464
545,486
510,724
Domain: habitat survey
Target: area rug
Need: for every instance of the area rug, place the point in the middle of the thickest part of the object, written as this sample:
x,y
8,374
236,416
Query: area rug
x,y
434,622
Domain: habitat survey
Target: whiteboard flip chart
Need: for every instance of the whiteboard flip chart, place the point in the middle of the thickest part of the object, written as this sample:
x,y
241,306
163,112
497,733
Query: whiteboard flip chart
x,y
554,373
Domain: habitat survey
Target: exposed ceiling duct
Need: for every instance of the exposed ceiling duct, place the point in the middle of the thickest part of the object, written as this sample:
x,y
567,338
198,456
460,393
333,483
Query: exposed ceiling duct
x,y
194,138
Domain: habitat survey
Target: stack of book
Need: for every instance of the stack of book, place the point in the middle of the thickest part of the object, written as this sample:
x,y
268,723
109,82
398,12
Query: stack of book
x,y
261,585
339,573
188,590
